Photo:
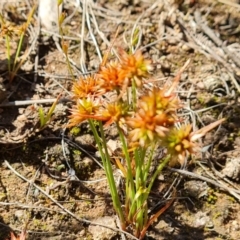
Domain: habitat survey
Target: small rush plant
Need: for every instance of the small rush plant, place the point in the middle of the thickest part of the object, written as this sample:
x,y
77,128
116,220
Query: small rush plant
x,y
8,31
146,118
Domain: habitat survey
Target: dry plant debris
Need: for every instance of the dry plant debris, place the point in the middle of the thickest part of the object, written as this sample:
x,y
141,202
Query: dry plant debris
x,y
51,161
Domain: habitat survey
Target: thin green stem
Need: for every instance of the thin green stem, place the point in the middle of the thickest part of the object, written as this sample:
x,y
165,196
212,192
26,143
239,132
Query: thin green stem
x,y
18,50
159,169
129,177
101,142
8,53
148,164
69,66
130,206
134,95
141,202
110,174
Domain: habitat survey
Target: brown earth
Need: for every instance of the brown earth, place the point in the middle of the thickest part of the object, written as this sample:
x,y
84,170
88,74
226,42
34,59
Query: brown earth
x,y
59,168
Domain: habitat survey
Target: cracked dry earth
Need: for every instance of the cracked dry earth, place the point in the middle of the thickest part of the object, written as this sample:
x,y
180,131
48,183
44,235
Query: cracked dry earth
x,y
60,166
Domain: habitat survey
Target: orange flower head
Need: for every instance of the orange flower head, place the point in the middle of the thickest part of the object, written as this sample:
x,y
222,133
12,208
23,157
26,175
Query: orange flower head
x,y
178,143
85,108
114,112
181,141
86,86
134,66
112,76
154,116
159,109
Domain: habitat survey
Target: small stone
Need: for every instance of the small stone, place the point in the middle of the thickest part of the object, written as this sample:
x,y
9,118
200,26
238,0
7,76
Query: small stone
x,y
102,233
113,145
22,118
232,168
196,189
235,225
82,233
201,220
200,85
86,139
19,214
163,226
87,161
185,47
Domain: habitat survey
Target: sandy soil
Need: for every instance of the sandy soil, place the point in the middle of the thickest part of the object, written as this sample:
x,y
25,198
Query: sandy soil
x,y
50,178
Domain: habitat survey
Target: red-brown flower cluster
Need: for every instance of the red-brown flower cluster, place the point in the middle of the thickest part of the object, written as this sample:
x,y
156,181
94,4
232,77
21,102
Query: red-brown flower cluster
x,y
86,86
155,114
154,117
135,67
113,75
180,141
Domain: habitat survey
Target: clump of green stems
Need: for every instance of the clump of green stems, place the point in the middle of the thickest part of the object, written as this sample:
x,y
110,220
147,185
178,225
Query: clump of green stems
x,y
46,118
145,119
7,32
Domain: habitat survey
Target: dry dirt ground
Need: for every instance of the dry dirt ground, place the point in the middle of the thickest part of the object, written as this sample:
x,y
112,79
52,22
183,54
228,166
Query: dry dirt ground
x,y
50,178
